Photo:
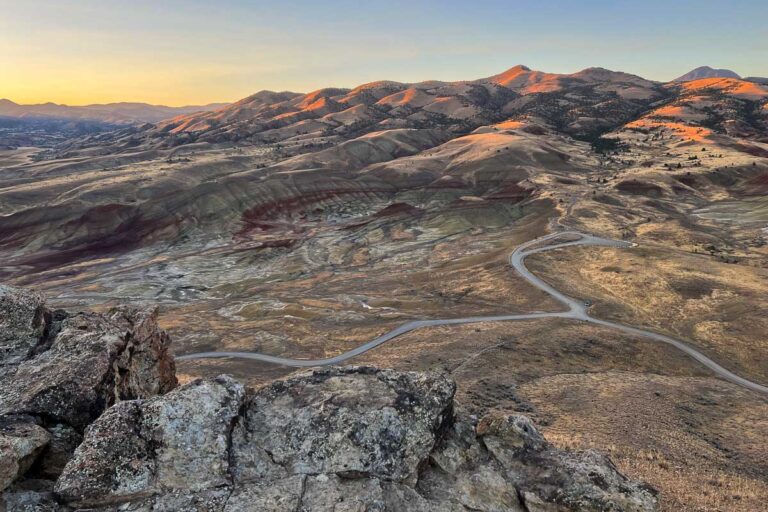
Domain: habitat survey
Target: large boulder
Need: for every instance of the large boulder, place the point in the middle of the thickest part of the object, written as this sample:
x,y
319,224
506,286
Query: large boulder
x,y
355,438
520,469
179,442
347,421
59,372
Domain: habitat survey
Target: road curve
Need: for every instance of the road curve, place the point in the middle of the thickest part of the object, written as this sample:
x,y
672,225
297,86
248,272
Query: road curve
x,y
575,309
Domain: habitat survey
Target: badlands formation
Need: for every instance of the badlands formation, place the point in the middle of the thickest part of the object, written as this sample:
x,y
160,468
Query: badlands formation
x,y
304,225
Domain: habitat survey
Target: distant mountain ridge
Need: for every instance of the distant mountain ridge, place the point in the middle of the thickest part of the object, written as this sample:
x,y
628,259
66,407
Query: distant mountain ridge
x,y
581,105
605,98
706,72
114,113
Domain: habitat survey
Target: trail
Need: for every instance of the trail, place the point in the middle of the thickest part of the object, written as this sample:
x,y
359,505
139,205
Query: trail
x,y
575,309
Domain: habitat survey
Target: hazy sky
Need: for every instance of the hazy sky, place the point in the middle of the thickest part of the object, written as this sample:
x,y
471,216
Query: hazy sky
x,y
185,52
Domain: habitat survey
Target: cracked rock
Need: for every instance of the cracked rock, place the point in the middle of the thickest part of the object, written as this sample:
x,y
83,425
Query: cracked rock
x,y
59,372
89,366
354,421
22,324
177,442
353,438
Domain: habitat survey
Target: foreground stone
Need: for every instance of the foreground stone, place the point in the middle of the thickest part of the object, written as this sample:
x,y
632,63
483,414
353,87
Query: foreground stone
x,y
353,438
59,372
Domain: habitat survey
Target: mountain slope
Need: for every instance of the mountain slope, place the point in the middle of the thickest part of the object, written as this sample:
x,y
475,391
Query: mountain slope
x,y
703,108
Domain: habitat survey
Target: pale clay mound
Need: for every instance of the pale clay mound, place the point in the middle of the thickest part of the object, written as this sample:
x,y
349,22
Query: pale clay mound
x,y
99,428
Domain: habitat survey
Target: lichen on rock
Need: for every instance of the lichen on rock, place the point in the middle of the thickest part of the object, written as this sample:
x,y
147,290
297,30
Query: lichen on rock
x,y
351,438
60,371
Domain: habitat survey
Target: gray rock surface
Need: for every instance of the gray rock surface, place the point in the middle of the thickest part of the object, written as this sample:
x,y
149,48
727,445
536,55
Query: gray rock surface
x,y
29,501
357,422
59,372
353,438
20,444
146,447
89,365
22,324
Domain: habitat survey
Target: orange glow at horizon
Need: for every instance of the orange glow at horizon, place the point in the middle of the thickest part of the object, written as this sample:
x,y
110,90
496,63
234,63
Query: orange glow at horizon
x,y
76,84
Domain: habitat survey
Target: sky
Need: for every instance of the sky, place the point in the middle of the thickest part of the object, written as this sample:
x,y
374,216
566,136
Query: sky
x,y
177,52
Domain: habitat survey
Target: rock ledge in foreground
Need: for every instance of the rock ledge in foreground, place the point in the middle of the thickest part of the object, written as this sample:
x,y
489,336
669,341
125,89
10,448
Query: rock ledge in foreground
x,y
353,438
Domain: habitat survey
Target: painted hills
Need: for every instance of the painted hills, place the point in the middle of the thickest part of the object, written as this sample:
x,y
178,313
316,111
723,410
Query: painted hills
x,y
295,152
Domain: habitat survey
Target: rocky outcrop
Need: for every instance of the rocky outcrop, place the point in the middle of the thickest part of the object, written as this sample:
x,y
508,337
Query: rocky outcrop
x,y
355,438
59,372
89,420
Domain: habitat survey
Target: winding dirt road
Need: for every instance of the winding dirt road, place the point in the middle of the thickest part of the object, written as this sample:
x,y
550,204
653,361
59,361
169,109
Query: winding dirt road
x,y
576,310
